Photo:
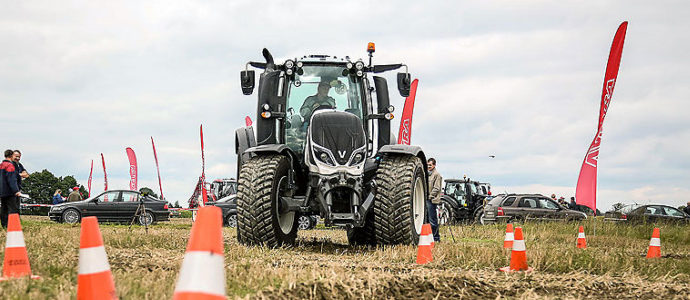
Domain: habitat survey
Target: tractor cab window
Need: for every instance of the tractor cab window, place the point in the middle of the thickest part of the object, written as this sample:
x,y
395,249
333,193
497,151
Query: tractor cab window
x,y
319,87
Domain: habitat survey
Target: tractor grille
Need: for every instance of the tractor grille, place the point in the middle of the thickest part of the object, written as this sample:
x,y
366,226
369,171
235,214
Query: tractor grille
x,y
339,132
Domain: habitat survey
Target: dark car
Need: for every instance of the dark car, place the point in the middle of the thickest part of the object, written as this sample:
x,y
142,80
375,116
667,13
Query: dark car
x,y
504,208
112,206
654,213
229,206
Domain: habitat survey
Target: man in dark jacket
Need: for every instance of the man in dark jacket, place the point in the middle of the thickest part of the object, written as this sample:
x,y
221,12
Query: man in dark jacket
x,y
687,208
435,186
9,190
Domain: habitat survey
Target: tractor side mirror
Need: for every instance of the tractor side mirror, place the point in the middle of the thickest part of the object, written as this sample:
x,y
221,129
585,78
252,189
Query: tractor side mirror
x,y
404,84
247,81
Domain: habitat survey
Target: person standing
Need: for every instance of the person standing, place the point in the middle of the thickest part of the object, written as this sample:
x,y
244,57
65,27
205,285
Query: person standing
x,y
21,171
74,195
573,204
435,186
9,190
687,208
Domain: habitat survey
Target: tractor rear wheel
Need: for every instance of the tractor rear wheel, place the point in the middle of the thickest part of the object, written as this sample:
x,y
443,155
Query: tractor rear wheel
x,y
260,219
400,202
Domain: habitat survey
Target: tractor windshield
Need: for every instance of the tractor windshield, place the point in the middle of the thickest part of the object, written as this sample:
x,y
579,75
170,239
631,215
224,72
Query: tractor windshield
x,y
319,87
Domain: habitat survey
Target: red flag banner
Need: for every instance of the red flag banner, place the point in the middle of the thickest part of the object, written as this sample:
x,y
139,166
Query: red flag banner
x,y
203,168
248,121
105,179
155,156
132,169
90,175
405,132
586,191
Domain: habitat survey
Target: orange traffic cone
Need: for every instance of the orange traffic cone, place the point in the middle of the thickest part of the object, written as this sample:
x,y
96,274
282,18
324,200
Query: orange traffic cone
x,y
581,240
518,258
508,240
654,245
426,242
16,263
203,259
94,280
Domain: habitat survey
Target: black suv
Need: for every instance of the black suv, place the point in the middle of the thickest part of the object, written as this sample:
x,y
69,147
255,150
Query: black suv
x,y
504,208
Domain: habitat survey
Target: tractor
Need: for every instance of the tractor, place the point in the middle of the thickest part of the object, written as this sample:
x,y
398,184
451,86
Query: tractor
x,y
322,145
463,201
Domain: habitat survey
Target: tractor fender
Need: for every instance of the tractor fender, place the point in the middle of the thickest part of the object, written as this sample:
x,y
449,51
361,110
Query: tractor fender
x,y
281,149
244,139
408,150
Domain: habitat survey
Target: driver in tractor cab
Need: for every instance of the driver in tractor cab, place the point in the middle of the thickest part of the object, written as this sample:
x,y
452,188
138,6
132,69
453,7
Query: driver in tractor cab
x,y
313,102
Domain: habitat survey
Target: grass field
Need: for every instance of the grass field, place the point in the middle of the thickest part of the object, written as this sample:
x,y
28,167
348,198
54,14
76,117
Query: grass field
x,y
323,266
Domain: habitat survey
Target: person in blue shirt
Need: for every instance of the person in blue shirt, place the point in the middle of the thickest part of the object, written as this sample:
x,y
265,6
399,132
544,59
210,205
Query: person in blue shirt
x,y
9,188
57,197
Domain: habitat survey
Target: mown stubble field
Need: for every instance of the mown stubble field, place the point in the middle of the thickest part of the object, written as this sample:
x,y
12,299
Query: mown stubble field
x,y
323,266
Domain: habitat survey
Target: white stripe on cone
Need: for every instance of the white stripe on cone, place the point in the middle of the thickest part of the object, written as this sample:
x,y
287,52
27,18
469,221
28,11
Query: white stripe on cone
x,y
93,260
509,237
655,242
202,264
426,240
15,239
519,245
581,235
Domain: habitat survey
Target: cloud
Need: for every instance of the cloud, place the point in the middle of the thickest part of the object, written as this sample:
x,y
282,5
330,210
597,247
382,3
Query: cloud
x,y
519,80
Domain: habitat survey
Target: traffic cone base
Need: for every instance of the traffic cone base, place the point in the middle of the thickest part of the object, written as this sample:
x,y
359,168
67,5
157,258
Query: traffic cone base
x,y
654,250
518,256
510,237
426,242
16,260
94,279
203,259
581,239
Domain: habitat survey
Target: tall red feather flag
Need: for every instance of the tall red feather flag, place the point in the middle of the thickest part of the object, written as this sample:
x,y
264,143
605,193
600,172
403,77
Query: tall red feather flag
x,y
155,156
132,169
405,132
90,176
203,168
248,121
105,175
586,191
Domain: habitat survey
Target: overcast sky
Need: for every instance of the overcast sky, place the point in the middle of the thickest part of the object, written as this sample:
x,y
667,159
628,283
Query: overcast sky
x,y
520,80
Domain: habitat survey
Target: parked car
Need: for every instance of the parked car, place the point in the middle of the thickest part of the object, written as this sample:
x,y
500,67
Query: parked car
x,y
620,214
654,213
228,205
112,206
522,207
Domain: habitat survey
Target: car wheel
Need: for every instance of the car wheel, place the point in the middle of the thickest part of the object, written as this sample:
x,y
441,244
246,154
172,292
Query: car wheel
x,y
231,220
71,216
304,222
146,219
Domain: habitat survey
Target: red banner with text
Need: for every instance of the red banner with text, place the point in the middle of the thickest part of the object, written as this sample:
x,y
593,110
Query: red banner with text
x,y
132,169
586,191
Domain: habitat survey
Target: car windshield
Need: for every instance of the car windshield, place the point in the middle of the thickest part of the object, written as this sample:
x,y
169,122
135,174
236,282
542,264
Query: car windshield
x,y
318,87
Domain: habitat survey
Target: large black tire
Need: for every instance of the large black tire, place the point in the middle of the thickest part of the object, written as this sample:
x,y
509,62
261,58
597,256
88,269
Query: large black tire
x,y
450,209
397,220
147,218
71,216
365,235
257,203
479,215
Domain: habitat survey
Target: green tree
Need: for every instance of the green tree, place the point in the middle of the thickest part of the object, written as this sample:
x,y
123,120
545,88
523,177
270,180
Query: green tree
x,y
148,191
618,206
41,186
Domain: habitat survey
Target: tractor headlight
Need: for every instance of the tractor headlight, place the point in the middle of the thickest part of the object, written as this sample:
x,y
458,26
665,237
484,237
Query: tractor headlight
x,y
300,64
358,157
289,71
323,155
348,65
359,65
360,73
289,64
